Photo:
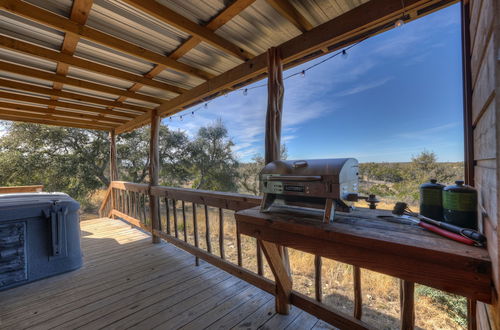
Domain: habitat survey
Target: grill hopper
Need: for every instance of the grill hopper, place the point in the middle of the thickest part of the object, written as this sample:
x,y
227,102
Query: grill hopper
x,y
315,183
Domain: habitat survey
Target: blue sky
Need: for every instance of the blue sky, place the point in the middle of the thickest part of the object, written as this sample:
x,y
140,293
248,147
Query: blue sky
x,y
393,96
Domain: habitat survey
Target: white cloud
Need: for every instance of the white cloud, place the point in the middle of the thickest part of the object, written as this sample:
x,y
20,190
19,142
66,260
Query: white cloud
x,y
364,87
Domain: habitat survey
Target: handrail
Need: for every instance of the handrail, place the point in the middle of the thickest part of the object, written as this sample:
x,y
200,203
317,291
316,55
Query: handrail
x,y
129,202
105,201
21,189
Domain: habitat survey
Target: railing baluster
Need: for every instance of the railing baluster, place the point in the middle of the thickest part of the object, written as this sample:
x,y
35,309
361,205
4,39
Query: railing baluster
x,y
174,209
207,230
407,304
184,221
221,233
195,230
317,278
358,297
471,314
144,213
260,265
238,247
167,210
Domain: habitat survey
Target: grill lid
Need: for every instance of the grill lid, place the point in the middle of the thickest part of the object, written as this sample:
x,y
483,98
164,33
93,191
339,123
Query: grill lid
x,y
312,167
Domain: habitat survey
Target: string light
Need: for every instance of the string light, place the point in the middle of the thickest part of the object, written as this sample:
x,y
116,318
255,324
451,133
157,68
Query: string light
x,y
302,73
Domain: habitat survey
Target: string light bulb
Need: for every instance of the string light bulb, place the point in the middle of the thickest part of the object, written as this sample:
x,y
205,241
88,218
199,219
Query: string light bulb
x,y
180,118
205,105
245,91
344,53
399,23
192,113
170,118
303,73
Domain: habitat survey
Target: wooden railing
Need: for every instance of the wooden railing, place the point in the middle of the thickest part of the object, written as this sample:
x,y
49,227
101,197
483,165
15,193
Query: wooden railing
x,y
21,189
185,213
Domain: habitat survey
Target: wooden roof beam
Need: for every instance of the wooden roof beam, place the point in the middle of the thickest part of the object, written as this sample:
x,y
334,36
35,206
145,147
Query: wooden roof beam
x,y
65,60
55,121
366,17
79,13
60,23
165,14
40,74
68,105
23,87
235,8
76,115
288,11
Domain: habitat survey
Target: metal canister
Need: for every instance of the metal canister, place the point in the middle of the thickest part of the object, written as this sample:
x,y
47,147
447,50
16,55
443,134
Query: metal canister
x,y
460,205
431,202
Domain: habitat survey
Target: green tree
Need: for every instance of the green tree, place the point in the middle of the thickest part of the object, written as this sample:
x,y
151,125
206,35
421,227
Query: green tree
x,y
212,161
71,160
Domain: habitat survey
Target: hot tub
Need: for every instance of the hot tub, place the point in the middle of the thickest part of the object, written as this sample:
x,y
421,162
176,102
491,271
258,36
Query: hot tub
x,y
39,237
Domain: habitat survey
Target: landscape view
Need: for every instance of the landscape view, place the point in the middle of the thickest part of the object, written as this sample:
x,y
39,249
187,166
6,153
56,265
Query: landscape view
x,y
75,161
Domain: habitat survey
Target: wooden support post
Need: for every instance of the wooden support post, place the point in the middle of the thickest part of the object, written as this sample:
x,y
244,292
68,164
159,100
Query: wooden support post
x,y
113,167
282,277
154,164
407,305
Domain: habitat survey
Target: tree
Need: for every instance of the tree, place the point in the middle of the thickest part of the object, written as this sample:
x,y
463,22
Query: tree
x,y
62,159
213,165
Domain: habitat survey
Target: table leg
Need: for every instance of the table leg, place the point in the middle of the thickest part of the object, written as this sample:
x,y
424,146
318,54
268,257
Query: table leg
x,y
281,276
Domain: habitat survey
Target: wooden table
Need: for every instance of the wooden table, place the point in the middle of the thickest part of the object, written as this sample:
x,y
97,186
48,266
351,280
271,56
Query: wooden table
x,y
361,238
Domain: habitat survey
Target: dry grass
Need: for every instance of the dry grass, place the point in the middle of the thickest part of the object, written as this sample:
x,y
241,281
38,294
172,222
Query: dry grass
x,y
380,292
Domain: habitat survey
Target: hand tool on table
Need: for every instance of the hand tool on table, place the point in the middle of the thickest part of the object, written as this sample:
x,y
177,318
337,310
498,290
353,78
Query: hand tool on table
x,y
459,234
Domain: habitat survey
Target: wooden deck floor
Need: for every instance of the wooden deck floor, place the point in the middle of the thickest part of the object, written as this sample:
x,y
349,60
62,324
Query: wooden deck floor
x,y
127,282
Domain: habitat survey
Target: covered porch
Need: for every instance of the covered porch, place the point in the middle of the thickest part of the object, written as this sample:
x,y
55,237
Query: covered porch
x,y
142,61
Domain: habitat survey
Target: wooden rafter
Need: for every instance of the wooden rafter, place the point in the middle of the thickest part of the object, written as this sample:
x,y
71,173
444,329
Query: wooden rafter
x,y
53,120
344,29
76,115
288,11
22,87
65,60
232,10
40,74
79,13
67,105
163,13
60,23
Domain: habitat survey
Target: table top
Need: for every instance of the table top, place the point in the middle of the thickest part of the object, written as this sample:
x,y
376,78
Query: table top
x,y
364,239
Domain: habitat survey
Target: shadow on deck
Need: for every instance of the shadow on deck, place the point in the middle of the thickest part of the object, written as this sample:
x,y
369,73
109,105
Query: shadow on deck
x,y
127,282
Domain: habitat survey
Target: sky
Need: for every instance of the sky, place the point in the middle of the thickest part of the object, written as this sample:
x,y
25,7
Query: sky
x,y
393,96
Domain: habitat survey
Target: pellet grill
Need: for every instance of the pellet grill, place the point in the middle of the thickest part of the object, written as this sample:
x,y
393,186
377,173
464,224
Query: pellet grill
x,y
39,237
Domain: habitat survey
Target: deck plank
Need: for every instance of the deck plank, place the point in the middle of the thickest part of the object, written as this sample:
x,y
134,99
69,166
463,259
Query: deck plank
x,y
127,282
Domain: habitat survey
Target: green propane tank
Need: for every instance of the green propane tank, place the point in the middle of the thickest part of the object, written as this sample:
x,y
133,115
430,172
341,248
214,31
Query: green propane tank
x,y
460,205
431,202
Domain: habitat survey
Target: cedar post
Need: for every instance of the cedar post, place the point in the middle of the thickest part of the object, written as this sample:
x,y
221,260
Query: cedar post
x,y
113,167
154,164
275,93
